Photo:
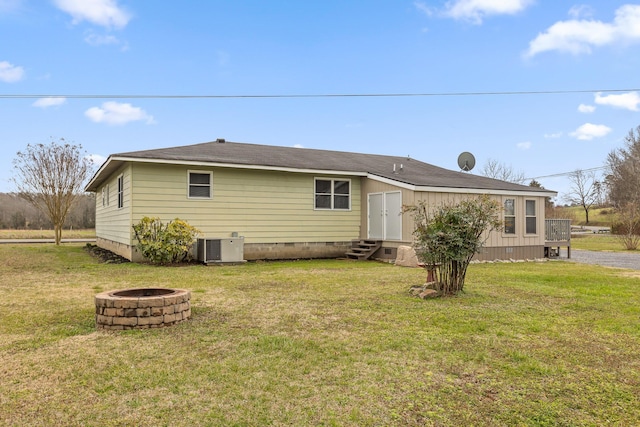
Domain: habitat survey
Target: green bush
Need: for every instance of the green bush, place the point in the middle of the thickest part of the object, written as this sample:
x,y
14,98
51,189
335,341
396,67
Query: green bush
x,y
165,243
450,235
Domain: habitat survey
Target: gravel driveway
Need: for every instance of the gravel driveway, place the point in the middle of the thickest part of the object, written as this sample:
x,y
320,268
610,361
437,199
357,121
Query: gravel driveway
x,y
608,259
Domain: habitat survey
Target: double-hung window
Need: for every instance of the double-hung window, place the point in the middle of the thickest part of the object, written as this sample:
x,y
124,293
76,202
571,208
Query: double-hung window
x,y
105,195
530,217
200,185
510,216
120,191
332,194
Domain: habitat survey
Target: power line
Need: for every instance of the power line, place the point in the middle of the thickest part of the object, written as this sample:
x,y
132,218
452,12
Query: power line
x,y
566,173
326,95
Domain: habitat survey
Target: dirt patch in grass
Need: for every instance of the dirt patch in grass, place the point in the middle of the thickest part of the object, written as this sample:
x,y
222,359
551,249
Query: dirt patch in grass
x,y
632,274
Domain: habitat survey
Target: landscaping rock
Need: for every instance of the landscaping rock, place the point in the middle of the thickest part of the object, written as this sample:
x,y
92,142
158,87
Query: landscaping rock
x,y
406,257
431,285
428,290
105,255
429,293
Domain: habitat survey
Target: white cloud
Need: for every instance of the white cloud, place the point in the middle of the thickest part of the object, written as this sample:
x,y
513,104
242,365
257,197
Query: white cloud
x,y
49,102
10,73
584,108
588,131
98,40
524,145
581,11
106,13
299,146
553,135
580,36
422,7
628,101
104,40
96,159
116,113
475,10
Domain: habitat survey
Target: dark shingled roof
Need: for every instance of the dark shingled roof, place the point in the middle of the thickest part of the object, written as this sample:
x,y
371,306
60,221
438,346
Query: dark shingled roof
x,y
407,170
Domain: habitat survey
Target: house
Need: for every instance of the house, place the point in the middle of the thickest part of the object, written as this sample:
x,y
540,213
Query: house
x,y
296,202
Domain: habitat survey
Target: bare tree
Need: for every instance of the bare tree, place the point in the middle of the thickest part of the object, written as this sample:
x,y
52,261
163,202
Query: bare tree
x,y
628,226
51,177
494,169
623,183
623,179
584,191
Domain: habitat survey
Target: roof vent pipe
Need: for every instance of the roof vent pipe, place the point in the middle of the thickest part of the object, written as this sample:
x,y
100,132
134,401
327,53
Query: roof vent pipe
x,y
220,141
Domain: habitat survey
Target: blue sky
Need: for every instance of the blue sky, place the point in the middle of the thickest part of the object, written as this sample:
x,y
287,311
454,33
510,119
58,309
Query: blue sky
x,y
496,49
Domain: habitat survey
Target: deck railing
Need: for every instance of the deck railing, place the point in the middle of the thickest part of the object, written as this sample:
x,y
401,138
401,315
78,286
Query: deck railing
x,y
557,230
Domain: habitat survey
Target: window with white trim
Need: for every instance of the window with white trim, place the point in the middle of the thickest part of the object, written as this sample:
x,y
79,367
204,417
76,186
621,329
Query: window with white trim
x,y
531,219
332,194
200,185
105,195
510,216
120,191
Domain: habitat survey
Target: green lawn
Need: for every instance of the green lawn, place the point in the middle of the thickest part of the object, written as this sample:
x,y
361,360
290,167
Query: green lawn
x,y
328,342
598,242
47,234
599,217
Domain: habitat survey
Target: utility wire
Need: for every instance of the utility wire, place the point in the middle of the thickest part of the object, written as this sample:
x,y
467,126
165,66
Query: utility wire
x,y
566,173
327,95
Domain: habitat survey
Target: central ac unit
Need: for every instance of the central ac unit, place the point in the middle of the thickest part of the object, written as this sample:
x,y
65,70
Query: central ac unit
x,y
212,250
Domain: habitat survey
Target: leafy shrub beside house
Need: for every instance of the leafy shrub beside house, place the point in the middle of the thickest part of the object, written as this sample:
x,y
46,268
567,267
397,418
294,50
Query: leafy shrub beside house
x,y
165,243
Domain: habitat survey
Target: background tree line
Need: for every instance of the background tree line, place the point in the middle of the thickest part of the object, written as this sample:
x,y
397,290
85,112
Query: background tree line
x,y
17,213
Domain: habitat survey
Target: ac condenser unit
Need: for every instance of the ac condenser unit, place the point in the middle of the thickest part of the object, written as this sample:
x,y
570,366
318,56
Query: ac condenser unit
x,y
230,250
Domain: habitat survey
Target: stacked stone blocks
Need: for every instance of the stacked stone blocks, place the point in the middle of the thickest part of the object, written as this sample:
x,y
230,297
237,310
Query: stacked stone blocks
x,y
142,308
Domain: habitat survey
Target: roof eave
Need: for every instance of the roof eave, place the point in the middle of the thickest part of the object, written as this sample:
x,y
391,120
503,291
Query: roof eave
x,y
462,190
97,179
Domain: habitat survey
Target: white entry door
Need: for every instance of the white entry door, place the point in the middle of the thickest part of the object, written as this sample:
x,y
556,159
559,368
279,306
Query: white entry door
x,y
385,216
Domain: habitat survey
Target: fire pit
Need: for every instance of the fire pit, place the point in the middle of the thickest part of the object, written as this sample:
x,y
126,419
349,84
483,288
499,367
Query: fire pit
x,y
142,308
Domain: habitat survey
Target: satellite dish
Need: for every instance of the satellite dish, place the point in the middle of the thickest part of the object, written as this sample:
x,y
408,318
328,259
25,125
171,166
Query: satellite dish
x,y
466,161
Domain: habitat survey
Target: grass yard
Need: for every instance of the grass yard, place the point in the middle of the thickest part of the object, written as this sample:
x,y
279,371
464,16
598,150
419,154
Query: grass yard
x,y
598,242
47,234
328,342
600,217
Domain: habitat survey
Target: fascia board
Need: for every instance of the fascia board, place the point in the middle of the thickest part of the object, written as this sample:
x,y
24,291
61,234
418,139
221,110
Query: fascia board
x,y
423,188
220,165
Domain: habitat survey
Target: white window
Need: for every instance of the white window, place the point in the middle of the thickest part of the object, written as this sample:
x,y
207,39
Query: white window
x,y
530,217
200,185
105,195
332,194
510,216
120,191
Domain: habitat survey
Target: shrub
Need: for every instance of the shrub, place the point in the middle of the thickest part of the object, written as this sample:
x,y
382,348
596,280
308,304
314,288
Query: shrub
x,y
165,244
451,235
627,229
618,228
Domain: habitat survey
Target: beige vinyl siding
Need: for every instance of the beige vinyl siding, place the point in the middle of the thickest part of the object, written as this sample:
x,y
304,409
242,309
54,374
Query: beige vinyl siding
x,y
262,206
113,223
496,239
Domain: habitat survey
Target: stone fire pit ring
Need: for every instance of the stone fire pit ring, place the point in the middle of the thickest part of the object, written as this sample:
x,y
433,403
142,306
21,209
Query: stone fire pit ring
x,y
142,308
